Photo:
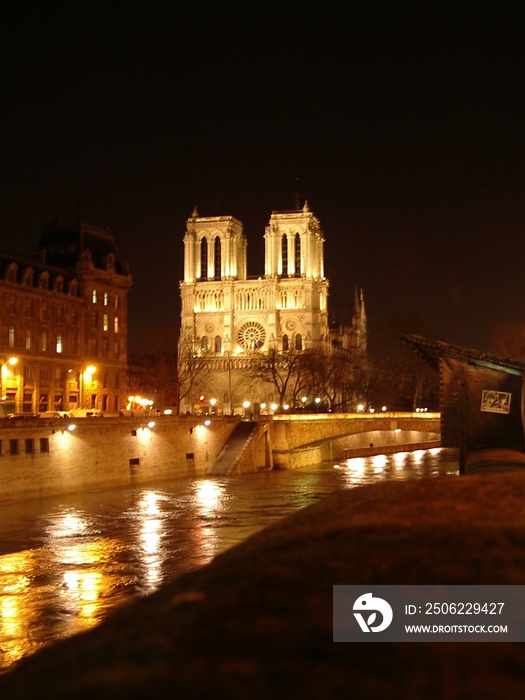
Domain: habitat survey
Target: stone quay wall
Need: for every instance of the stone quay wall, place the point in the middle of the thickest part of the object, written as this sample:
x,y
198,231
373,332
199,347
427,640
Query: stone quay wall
x,y
42,457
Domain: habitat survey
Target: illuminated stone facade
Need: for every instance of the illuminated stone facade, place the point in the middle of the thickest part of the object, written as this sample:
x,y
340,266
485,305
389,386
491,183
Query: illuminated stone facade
x,y
232,318
64,310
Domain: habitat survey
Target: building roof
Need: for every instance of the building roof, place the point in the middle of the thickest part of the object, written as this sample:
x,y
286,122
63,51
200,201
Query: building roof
x,y
433,351
63,244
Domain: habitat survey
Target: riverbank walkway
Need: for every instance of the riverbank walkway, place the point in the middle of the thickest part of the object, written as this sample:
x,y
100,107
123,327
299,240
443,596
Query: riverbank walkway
x,y
257,622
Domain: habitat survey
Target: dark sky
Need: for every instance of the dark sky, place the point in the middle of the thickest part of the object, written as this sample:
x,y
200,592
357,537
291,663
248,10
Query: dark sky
x,y
404,129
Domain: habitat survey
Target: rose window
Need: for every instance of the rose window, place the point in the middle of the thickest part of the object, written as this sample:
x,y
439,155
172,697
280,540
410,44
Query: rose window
x,y
251,336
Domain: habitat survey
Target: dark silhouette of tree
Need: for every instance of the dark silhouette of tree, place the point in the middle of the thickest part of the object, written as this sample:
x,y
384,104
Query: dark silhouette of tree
x,y
282,371
332,378
193,369
403,381
167,377
154,376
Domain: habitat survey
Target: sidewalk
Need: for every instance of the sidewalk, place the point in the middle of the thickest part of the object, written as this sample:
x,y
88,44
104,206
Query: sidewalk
x,y
257,622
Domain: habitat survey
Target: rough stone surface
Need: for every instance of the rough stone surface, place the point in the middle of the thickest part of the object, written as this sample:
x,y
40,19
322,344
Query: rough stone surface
x,y
257,621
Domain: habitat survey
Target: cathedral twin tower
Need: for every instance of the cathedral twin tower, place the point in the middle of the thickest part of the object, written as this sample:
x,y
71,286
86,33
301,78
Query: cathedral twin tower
x,y
228,316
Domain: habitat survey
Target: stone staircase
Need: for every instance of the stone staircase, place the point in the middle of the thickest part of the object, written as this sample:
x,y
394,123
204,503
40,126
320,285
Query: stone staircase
x,y
233,450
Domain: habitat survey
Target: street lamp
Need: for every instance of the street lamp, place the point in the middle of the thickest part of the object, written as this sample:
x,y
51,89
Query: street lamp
x,y
86,377
6,371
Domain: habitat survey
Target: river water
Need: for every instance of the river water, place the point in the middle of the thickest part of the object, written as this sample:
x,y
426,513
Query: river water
x,y
67,562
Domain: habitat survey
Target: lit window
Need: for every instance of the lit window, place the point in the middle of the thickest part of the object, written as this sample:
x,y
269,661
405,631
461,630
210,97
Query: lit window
x,y
94,296
28,339
11,337
59,346
106,298
115,324
105,322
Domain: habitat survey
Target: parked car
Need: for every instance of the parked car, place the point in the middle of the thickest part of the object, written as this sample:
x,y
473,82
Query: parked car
x,y
54,414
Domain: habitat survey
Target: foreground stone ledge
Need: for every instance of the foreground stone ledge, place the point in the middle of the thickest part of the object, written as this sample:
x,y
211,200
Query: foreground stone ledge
x,y
257,621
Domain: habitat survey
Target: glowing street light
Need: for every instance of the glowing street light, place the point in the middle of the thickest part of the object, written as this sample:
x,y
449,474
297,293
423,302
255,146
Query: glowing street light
x,y
7,375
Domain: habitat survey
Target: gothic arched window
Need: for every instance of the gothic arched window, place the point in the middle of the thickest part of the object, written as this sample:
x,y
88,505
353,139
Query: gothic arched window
x,y
298,342
204,343
204,258
297,251
217,257
284,254
217,346
286,343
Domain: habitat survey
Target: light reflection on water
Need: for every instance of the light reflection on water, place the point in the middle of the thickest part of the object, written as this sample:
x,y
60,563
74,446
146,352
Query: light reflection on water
x,y
67,562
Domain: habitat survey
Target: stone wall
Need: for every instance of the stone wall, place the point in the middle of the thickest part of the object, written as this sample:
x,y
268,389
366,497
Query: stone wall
x,y
42,457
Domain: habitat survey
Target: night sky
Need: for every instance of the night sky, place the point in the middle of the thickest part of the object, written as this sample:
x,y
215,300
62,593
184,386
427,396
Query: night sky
x,y
404,130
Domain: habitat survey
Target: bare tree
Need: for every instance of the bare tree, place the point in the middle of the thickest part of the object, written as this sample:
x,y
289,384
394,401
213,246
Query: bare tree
x,y
282,370
402,380
154,376
331,378
193,368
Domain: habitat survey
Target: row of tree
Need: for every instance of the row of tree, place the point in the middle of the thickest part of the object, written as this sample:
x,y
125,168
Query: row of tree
x,y
401,381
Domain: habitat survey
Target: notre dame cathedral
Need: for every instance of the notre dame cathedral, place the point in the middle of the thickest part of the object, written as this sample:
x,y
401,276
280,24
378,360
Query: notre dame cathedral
x,y
230,319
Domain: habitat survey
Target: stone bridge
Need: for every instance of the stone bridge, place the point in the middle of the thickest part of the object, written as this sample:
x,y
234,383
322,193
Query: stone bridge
x,y
299,440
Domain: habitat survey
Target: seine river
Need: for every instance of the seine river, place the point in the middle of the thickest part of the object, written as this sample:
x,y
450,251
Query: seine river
x,y
67,562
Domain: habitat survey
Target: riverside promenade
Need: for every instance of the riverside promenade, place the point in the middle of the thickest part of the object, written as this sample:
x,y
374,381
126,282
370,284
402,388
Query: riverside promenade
x,y
257,621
